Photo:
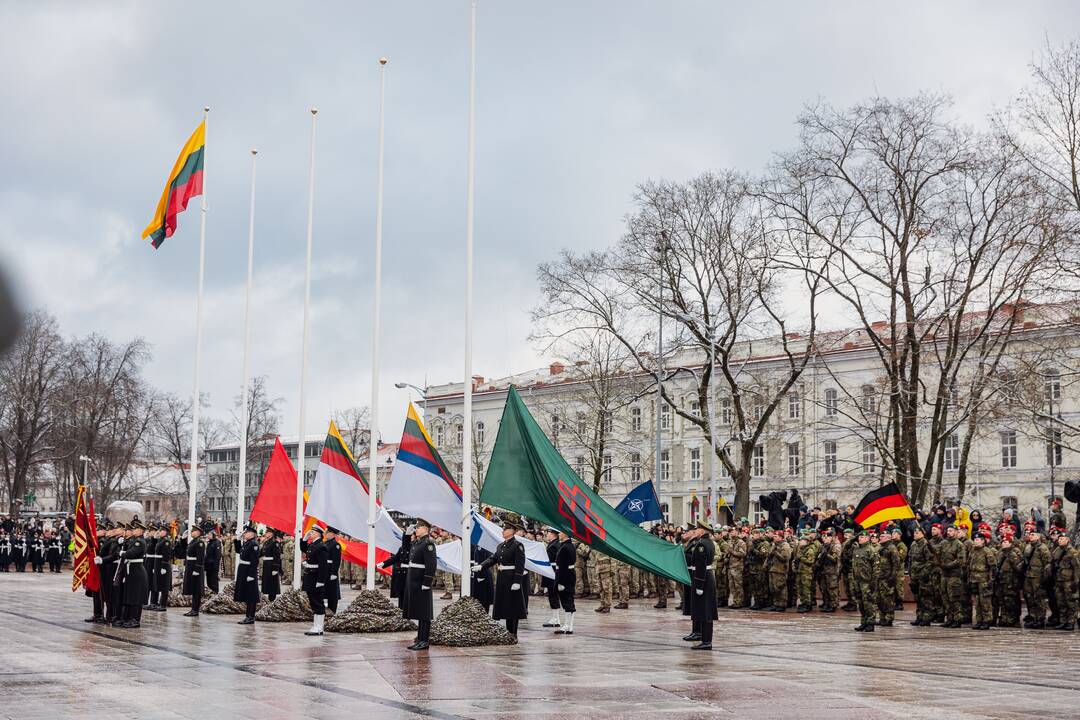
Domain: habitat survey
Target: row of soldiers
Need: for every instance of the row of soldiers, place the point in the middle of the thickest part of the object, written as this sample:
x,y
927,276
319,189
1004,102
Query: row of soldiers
x,y
36,549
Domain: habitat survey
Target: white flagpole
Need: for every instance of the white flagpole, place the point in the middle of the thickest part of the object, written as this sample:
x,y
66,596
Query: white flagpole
x,y
241,511
301,447
466,445
373,437
193,484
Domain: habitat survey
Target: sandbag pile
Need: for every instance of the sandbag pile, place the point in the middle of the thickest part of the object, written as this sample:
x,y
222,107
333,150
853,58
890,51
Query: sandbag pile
x,y
465,623
370,612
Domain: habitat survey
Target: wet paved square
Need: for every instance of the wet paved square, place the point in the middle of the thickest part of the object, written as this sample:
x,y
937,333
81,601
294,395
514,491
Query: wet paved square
x,y
629,664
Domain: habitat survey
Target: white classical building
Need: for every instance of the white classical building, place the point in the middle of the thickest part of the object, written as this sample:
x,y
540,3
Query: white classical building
x,y
813,442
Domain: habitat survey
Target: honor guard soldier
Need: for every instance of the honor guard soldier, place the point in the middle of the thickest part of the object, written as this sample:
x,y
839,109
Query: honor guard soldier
x,y
134,574
418,583
95,595
509,561
398,561
151,564
161,583
18,551
551,535
213,560
316,573
195,568
37,553
270,560
246,589
481,588
702,584
53,552
5,550
108,550
565,582
333,559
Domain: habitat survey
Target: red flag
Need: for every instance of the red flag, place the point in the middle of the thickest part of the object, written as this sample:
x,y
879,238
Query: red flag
x,y
84,570
275,507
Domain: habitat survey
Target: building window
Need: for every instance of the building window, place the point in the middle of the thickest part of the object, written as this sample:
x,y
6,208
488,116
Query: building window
x,y
757,461
635,468
830,457
582,426
579,466
952,452
1009,501
1008,448
832,402
608,423
665,464
665,416
725,411
635,419
869,457
459,435
695,463
1053,448
1052,385
793,458
439,436
480,433
794,406
605,473
458,469
954,393
869,399
695,408
759,409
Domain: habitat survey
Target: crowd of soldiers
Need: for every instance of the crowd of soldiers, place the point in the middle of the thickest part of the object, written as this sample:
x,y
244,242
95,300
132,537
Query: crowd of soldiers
x,y
33,543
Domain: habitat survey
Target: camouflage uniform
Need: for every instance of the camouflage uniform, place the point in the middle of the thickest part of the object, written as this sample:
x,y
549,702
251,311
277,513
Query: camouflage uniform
x,y
1066,576
622,575
809,549
887,568
759,575
594,577
980,575
720,570
901,550
951,563
1008,581
828,575
922,580
851,588
604,579
1036,570
937,598
582,587
736,564
864,574
779,563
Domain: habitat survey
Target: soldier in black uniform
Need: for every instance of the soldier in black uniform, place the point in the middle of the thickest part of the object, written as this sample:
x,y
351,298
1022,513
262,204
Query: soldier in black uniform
x,y
161,582
509,562
481,586
398,561
247,574
37,553
5,550
18,551
213,560
703,584
418,584
108,551
565,582
316,574
53,551
133,557
270,559
551,535
333,558
195,568
95,595
151,564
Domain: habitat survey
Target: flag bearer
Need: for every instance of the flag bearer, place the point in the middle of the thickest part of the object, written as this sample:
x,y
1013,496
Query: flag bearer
x,y
419,579
270,559
565,582
194,568
509,561
316,573
551,535
702,584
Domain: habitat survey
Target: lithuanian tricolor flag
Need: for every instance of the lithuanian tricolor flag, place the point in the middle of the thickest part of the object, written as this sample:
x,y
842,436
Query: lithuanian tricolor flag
x,y
185,182
881,505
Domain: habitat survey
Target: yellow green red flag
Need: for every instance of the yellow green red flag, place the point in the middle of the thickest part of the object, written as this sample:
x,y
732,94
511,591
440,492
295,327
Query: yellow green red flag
x,y
185,182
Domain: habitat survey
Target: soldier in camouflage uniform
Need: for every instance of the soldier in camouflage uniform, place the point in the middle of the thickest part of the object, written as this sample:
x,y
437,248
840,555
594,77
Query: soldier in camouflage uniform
x,y
937,537
758,554
921,567
793,565
808,553
981,563
720,572
851,588
1066,564
622,579
594,578
604,578
864,573
902,550
779,565
736,554
582,587
887,569
1036,570
1008,581
827,571
951,561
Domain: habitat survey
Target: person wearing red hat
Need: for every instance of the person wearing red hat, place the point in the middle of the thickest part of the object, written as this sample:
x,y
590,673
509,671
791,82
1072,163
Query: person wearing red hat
x,y
1037,570
1066,563
980,573
1008,581
951,562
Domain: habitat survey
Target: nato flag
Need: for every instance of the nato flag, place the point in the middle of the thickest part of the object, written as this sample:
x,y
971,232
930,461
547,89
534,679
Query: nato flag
x,y
640,504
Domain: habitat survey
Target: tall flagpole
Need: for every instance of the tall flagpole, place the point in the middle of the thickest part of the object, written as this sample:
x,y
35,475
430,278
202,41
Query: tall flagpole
x,y
193,484
245,403
466,445
301,446
373,437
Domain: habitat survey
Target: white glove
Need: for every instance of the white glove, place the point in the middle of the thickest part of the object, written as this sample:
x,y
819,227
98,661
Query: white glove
x,y
194,573
120,540
700,592
319,585
164,572
515,586
274,573
333,577
476,568
424,587
97,560
561,587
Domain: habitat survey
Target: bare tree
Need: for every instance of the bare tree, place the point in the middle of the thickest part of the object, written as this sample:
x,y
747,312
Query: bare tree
x,y
263,421
30,375
354,424
169,439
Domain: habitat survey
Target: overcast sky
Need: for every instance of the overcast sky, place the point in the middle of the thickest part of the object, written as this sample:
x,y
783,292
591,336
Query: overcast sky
x,y
577,103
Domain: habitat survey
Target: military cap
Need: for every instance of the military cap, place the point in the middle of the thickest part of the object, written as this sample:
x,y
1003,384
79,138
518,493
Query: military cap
x,y
206,527
332,529
703,525
316,528
136,524
421,522
250,527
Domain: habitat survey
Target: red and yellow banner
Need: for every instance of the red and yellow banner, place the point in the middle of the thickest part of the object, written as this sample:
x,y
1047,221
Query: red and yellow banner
x,y
84,570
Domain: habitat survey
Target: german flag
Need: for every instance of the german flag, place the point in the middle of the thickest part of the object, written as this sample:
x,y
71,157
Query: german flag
x,y
881,505
185,182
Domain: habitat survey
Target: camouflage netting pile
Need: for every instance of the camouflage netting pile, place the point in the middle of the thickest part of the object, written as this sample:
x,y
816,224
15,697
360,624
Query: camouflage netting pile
x,y
464,623
176,599
290,606
370,612
223,603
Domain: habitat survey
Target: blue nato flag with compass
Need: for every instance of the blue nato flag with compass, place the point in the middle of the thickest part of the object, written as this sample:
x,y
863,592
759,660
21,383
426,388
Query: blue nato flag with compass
x,y
640,504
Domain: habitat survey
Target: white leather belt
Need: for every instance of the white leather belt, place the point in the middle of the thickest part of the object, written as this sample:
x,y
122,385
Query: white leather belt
x,y
416,565
310,565
158,557
244,562
507,567
264,559
570,567
132,562
191,558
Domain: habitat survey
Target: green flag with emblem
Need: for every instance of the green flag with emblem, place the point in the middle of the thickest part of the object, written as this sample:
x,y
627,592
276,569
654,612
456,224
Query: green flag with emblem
x,y
529,476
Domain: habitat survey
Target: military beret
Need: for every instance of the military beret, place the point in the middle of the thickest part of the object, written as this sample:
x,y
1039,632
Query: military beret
x,y
936,525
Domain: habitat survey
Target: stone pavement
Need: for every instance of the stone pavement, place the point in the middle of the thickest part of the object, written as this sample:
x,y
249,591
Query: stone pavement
x,y
629,664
